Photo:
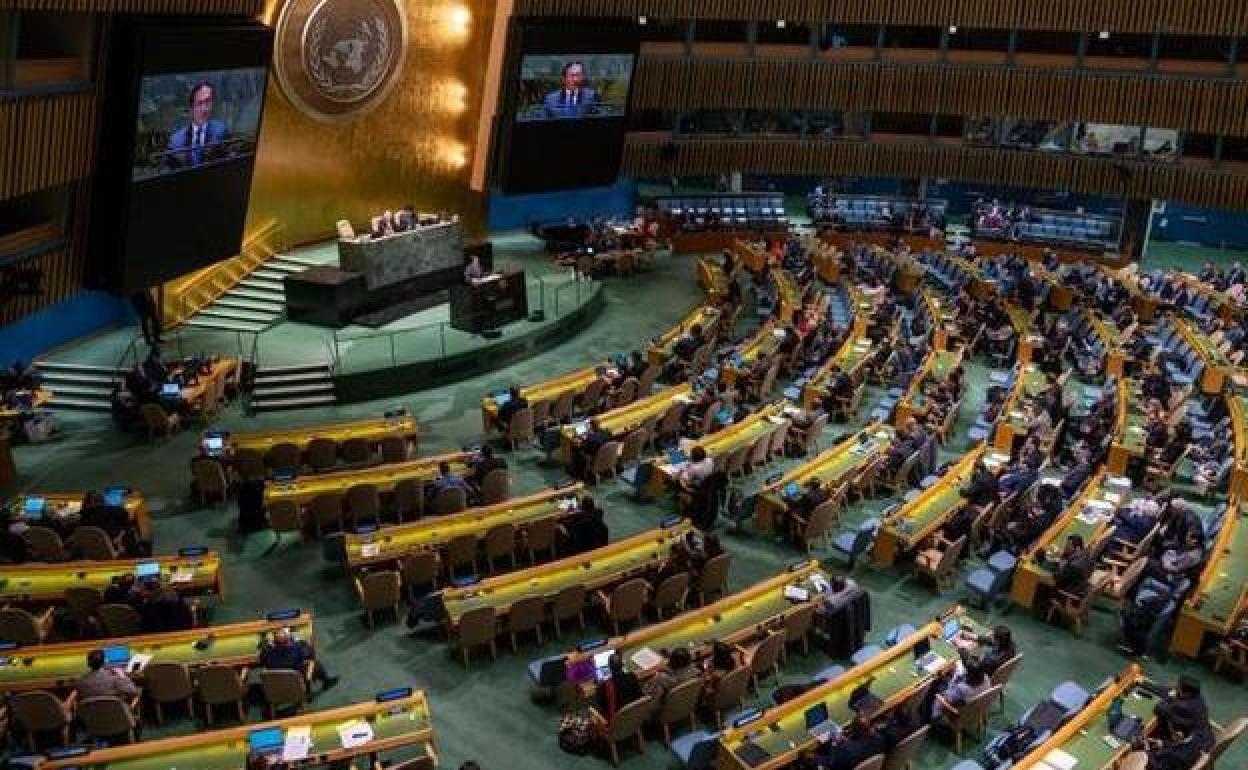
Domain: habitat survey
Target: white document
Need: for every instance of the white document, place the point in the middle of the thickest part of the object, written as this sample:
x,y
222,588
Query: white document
x,y
369,550
933,663
298,743
796,593
355,733
1060,759
181,576
646,659
138,661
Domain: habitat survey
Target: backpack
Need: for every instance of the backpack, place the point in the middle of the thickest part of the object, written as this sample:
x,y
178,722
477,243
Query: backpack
x,y
1015,743
576,734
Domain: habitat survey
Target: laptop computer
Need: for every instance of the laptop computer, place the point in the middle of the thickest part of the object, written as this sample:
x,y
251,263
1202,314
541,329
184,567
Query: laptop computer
x,y
950,629
116,655
115,496
818,725
171,390
676,457
268,740
502,399
33,507
147,569
602,665
792,490
213,445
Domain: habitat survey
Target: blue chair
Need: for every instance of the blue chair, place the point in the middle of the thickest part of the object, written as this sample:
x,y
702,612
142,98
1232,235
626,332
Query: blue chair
x,y
967,764
865,653
987,583
853,544
897,634
1070,696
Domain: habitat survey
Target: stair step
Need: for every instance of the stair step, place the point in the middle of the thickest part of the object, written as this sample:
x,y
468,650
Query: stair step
x,y
260,284
87,391
278,263
304,402
262,295
309,388
304,261
247,303
226,325
235,314
84,404
72,378
279,371
61,366
311,378
266,273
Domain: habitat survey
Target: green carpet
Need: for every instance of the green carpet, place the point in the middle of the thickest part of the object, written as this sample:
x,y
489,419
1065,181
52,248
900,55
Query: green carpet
x,y
485,713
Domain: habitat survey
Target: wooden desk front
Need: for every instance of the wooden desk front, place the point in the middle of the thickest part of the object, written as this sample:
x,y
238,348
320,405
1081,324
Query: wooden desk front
x,y
67,506
303,489
39,583
1221,596
390,544
395,724
596,569
58,666
371,429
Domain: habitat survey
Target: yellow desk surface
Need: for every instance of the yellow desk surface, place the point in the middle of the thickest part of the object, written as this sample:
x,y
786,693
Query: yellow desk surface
x,y
763,342
37,583
661,348
789,294
372,429
754,258
624,419
1130,434
594,569
1083,735
724,442
1113,342
830,467
711,277
936,366
918,519
940,317
1237,408
302,489
1217,366
58,666
1014,420
66,506
849,358
40,397
390,544
1221,596
1028,340
394,724
548,390
781,731
220,369
1103,492
735,619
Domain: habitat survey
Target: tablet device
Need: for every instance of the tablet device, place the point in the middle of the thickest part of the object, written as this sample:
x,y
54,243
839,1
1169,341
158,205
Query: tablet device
x,y
171,390
115,496
792,490
922,648
33,507
146,569
266,741
816,715
213,445
116,655
951,628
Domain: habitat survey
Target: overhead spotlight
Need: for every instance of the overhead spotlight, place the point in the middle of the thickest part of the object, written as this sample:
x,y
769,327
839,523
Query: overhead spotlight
x,y
642,20
781,24
1103,34
953,29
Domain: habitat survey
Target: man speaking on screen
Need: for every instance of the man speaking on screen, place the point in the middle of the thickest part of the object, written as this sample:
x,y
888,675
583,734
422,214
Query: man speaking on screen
x,y
199,142
574,99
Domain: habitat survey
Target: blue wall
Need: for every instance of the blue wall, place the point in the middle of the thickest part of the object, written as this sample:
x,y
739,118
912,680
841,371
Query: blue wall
x,y
81,314
508,212
1207,227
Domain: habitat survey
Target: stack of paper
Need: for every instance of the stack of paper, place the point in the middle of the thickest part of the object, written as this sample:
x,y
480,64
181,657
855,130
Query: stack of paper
x,y
297,744
646,659
355,733
1060,760
369,550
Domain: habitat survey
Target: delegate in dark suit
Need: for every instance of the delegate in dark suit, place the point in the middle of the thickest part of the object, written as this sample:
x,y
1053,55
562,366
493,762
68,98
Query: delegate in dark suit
x,y
193,145
564,103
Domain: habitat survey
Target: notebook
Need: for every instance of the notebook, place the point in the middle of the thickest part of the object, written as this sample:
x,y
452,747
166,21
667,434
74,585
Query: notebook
x,y
116,655
145,569
266,741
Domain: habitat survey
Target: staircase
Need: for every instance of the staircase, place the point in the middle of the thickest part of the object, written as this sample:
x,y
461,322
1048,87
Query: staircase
x,y
79,386
293,387
255,302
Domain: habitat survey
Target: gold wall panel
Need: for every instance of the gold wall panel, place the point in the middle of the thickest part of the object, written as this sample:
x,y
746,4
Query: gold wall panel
x,y
416,146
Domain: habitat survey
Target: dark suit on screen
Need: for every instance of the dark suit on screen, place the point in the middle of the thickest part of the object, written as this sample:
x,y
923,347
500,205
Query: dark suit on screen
x,y
181,153
562,103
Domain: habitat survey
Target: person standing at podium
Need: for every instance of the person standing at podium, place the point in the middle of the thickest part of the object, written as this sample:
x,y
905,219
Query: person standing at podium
x,y
473,272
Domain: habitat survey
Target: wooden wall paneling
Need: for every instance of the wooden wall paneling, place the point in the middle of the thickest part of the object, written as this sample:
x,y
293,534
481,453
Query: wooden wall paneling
x,y
1196,104
1199,186
1215,17
178,7
45,141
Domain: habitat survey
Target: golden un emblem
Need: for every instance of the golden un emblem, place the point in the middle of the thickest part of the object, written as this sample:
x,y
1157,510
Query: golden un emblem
x,y
338,59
